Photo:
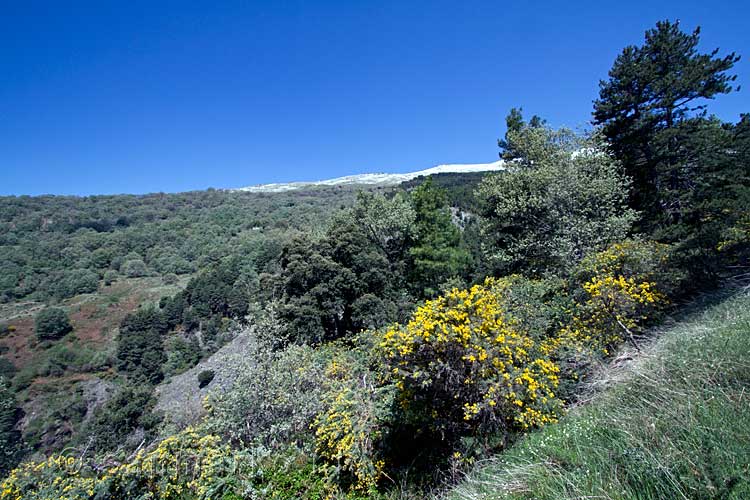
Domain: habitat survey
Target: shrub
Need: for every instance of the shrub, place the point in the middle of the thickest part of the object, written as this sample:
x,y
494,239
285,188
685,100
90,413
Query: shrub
x,y
621,289
134,268
127,410
463,369
182,354
77,281
185,465
351,429
110,277
7,369
274,399
10,437
205,377
170,279
52,323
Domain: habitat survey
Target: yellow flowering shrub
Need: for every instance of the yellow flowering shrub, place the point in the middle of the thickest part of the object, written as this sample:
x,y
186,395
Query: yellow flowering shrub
x,y
463,368
350,429
185,465
736,236
622,287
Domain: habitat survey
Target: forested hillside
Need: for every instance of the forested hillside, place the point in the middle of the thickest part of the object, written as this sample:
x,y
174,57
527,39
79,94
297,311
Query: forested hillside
x,y
374,343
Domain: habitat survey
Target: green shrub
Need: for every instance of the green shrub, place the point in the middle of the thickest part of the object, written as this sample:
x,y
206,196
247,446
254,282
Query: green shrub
x,y
185,465
205,377
52,323
7,369
10,437
274,400
170,279
126,411
110,277
134,268
77,281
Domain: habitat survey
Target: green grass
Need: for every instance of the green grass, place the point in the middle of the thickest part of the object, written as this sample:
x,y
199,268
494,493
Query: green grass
x,y
673,424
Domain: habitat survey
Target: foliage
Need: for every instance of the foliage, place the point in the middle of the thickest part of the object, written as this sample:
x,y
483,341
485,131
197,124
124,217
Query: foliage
x,y
515,124
437,253
352,427
134,268
185,465
110,276
205,377
459,187
274,398
44,240
10,437
127,411
668,425
225,289
320,407
463,369
387,222
52,323
648,108
563,199
7,369
182,354
625,287
337,285
140,350
77,281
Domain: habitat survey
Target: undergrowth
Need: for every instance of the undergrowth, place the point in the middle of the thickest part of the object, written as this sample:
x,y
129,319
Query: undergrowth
x,y
674,423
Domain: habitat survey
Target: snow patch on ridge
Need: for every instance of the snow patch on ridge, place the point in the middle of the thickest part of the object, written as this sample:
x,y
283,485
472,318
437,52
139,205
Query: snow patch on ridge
x,y
380,178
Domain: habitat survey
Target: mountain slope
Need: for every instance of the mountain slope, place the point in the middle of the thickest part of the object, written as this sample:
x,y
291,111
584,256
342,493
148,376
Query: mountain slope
x,y
379,178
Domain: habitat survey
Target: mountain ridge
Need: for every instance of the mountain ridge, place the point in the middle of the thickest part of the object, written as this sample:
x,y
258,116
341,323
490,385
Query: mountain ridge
x,y
376,178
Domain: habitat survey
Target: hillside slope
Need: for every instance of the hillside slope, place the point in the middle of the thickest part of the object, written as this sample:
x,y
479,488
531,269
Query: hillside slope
x,y
673,423
377,179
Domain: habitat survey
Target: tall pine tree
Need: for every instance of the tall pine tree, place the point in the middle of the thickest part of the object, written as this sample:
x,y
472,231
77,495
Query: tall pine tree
x,y
650,101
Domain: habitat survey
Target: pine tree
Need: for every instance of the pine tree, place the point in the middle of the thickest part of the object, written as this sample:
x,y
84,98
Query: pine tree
x,y
646,107
438,253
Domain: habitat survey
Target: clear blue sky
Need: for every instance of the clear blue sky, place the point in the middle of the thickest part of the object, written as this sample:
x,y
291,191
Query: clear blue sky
x,y
135,97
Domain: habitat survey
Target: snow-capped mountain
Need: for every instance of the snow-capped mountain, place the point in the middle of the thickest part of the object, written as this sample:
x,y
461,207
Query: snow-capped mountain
x,y
376,178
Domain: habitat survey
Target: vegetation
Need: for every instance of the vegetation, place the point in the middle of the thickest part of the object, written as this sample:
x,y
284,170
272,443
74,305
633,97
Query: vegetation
x,y
667,426
335,343
10,437
438,253
52,323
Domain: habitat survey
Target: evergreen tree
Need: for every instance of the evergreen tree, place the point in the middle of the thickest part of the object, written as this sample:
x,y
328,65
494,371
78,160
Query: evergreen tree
x,y
645,109
140,350
514,123
437,253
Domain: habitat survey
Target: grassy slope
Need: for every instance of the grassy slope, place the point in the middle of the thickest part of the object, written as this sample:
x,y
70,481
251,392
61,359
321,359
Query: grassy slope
x,y
673,424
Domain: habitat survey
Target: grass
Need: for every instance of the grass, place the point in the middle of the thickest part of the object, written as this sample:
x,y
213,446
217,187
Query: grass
x,y
672,424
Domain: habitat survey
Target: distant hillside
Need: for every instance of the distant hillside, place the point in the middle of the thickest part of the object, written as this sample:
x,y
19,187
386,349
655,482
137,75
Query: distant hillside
x,y
100,258
378,178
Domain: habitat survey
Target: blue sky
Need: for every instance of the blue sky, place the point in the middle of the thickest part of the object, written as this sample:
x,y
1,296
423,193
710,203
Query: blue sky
x,y
135,97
